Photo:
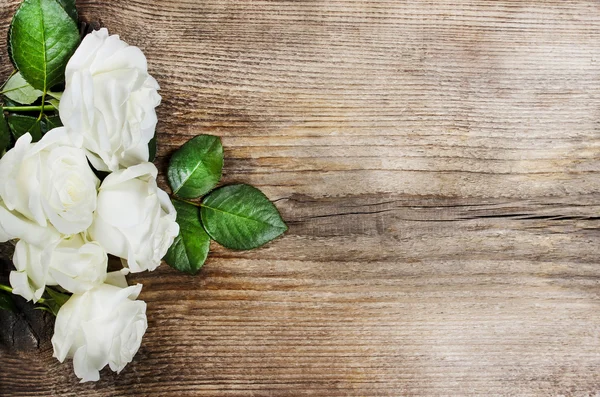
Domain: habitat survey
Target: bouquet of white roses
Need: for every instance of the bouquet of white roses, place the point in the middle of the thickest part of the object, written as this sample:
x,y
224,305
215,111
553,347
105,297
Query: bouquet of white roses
x,y
77,137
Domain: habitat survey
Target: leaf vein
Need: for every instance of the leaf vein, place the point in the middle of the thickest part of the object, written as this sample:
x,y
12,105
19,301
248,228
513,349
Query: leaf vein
x,y
243,217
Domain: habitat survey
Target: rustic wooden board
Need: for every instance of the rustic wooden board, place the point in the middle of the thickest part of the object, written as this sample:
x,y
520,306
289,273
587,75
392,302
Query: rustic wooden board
x,y
437,162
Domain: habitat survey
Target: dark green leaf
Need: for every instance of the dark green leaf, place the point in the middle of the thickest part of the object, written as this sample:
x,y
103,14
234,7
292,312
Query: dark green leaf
x,y
46,309
17,89
152,149
4,133
58,297
6,302
196,167
8,102
49,123
21,124
55,300
190,248
241,217
69,6
42,38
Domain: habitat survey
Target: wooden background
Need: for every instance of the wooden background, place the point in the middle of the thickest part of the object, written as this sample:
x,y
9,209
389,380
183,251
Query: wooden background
x,y
437,162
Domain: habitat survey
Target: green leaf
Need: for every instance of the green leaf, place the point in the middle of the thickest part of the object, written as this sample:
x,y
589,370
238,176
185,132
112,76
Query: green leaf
x,y
55,95
17,89
21,124
4,133
190,248
8,102
53,102
196,167
57,297
152,149
6,302
46,309
241,217
42,38
49,123
69,6
55,300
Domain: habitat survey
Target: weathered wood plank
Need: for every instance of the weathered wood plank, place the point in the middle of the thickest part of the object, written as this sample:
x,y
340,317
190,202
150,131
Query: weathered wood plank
x,y
438,165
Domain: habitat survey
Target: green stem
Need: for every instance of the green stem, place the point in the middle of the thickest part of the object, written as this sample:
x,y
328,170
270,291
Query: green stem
x,y
45,108
42,107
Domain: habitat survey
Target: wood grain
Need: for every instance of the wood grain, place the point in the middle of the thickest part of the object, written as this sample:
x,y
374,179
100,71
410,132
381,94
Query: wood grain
x,y
437,163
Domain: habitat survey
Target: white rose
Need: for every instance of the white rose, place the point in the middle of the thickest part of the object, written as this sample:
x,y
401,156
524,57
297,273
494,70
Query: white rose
x,y
49,181
135,220
109,100
103,326
15,226
73,263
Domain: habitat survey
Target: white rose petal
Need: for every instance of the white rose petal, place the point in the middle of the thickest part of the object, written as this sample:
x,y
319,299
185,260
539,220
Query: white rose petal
x,y
103,326
49,181
135,220
15,226
72,262
109,100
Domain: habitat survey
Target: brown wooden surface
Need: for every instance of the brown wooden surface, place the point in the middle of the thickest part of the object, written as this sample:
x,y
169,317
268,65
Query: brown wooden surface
x,y
437,162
